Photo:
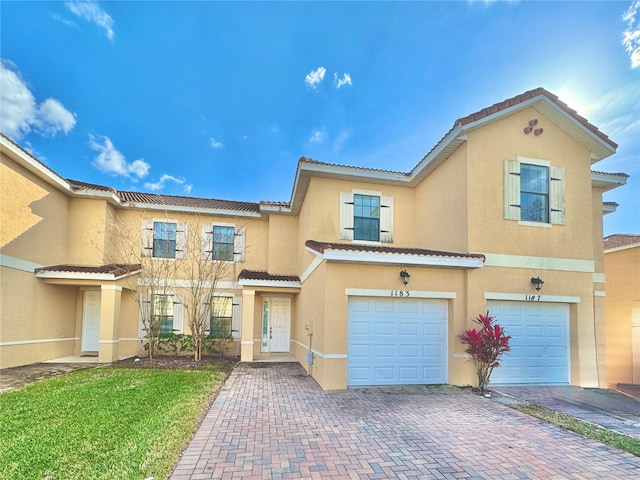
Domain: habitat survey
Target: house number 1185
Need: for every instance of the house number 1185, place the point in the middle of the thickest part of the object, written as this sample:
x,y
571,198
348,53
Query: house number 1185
x,y
400,293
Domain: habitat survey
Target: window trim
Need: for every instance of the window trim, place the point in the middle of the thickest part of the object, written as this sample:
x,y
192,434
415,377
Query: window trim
x,y
148,237
230,318
346,212
239,236
556,195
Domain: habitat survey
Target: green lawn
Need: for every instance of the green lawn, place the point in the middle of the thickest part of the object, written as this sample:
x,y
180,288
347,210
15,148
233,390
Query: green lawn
x,y
103,423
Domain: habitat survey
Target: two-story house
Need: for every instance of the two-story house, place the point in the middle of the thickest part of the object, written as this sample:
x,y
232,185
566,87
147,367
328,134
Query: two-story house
x,y
365,276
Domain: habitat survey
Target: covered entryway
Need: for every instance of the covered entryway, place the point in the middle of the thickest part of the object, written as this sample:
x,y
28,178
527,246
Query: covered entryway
x,y
539,342
276,324
396,341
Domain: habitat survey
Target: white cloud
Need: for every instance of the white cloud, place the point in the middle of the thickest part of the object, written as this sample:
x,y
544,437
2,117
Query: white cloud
x,y
314,77
345,80
631,34
52,117
160,184
20,113
318,136
111,161
92,12
215,143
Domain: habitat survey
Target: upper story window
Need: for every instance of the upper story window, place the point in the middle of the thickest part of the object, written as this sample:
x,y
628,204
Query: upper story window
x,y
366,216
221,316
534,192
162,311
164,239
223,242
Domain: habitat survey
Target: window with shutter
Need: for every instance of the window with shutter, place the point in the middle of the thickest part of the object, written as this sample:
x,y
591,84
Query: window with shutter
x,y
221,316
366,217
534,192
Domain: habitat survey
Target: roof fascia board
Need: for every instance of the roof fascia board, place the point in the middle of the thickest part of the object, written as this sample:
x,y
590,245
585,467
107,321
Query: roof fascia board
x,y
83,275
608,181
395,258
269,283
458,132
34,166
608,208
622,247
584,129
179,209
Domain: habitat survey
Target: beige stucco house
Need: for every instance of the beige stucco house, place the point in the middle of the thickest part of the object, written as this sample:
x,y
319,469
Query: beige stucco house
x,y
622,303
365,276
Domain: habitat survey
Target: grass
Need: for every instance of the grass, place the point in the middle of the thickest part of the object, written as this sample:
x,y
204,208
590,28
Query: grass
x,y
586,429
104,423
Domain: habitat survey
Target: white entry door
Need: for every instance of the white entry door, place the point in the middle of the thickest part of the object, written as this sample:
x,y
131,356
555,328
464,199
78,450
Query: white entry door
x,y
91,321
277,325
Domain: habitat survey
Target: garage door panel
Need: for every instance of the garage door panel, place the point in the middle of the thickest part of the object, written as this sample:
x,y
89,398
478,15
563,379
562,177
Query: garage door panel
x,y
408,351
539,344
409,328
384,328
406,342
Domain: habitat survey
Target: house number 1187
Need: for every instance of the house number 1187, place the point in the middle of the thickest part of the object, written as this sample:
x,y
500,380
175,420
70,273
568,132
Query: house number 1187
x,y
400,293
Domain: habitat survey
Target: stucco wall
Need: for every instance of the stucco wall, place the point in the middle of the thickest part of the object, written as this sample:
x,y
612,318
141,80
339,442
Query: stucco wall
x,y
622,269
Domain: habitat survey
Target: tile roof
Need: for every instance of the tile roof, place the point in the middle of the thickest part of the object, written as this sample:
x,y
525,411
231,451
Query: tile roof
x,y
621,240
262,275
321,247
116,269
611,174
316,162
510,102
181,201
78,185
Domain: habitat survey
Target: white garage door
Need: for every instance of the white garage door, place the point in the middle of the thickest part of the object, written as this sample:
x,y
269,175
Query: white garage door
x,y
396,341
539,342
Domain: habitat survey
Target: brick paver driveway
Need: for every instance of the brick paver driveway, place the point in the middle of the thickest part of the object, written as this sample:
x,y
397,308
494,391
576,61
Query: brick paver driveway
x,y
271,421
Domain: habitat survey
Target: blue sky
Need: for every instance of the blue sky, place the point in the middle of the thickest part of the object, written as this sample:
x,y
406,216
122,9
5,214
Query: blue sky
x,y
221,99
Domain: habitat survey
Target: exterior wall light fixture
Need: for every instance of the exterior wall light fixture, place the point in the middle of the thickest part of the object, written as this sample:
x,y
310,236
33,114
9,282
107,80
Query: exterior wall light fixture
x,y
405,276
537,283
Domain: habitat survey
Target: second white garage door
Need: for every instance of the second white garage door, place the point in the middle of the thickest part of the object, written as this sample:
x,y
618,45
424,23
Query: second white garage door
x,y
396,341
539,342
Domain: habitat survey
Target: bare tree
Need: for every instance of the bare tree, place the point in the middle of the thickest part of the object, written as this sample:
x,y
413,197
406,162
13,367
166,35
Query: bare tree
x,y
158,268
211,251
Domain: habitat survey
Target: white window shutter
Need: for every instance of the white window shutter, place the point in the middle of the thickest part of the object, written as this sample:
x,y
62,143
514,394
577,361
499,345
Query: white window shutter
x,y
178,314
556,195
144,309
207,242
346,216
182,233
511,190
147,238
386,219
236,319
239,245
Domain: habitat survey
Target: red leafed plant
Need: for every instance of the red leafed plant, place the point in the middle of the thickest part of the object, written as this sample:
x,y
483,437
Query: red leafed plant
x,y
485,345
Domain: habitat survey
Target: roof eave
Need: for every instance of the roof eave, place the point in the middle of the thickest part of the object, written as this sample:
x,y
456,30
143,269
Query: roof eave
x,y
332,255
608,181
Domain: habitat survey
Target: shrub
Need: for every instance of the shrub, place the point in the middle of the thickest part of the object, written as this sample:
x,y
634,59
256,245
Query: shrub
x,y
485,345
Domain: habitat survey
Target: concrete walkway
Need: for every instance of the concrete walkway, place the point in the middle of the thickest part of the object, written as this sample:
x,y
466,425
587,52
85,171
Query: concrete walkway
x,y
271,421
17,377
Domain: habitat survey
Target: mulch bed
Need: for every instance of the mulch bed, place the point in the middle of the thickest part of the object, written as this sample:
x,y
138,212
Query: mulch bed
x,y
162,362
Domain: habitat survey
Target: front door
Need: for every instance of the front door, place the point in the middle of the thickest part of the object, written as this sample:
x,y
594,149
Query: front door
x,y
276,324
91,321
